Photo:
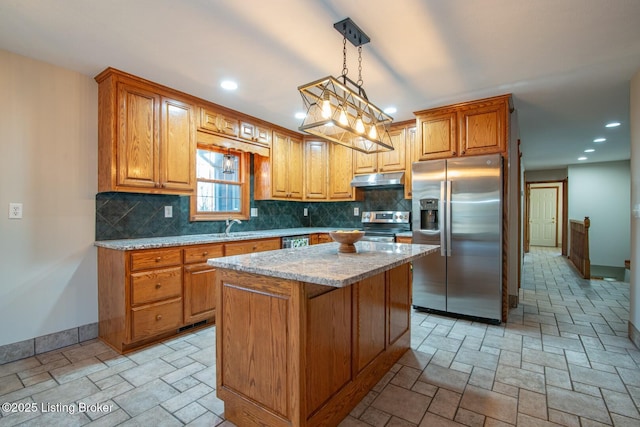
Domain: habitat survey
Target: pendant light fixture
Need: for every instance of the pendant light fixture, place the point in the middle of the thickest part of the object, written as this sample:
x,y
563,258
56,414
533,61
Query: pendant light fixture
x,y
338,109
228,163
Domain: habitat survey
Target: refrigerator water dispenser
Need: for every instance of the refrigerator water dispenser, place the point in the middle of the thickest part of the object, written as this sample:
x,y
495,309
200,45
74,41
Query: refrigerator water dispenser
x,y
429,214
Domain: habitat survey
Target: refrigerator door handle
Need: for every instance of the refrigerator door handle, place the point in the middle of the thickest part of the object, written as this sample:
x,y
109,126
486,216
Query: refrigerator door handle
x,y
448,214
442,219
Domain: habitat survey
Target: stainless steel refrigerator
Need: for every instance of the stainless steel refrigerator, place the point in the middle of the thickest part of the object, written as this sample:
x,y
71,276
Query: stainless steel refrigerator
x,y
457,204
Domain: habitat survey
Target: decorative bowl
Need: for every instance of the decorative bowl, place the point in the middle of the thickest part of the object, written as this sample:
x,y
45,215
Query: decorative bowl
x,y
346,239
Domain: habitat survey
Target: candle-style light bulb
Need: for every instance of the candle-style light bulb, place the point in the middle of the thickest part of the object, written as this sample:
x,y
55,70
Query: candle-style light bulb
x,y
326,106
343,117
373,133
359,125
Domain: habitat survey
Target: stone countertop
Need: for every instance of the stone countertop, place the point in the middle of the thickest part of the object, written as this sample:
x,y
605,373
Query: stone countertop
x,y
323,264
196,239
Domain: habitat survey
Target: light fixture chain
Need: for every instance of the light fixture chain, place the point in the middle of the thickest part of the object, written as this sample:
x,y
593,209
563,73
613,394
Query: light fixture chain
x,y
345,70
360,81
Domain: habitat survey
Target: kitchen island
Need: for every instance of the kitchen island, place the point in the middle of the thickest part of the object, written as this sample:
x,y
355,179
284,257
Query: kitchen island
x,y
303,334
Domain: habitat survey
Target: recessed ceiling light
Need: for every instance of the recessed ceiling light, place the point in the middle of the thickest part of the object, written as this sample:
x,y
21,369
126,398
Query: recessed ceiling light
x,y
600,140
589,150
300,115
612,124
582,158
390,110
228,85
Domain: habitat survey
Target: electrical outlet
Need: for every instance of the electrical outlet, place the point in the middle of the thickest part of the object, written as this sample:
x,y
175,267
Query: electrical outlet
x,y
168,211
305,212
15,210
254,212
356,211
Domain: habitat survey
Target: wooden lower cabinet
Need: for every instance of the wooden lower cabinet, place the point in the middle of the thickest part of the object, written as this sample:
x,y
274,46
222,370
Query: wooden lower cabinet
x,y
239,248
150,294
403,239
156,318
139,295
323,238
199,282
301,354
199,293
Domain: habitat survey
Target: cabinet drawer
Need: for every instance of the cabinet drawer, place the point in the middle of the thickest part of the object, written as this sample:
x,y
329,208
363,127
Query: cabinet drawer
x,y
156,285
252,246
151,320
404,239
202,253
144,260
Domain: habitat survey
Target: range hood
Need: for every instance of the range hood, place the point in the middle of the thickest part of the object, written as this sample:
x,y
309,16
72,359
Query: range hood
x,y
390,179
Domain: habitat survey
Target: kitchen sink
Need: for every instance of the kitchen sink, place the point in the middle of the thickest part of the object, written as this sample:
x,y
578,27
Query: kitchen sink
x,y
236,234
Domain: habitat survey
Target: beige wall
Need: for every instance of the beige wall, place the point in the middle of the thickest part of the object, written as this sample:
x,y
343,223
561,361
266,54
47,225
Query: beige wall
x,y
48,162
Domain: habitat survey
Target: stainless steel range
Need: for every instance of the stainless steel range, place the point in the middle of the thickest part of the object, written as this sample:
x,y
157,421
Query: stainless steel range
x,y
382,226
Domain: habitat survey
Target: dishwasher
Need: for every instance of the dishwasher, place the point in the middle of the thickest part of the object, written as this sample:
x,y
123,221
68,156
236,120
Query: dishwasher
x,y
295,241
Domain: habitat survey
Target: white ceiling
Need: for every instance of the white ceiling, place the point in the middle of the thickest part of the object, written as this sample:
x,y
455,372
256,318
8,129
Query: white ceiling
x,y
568,63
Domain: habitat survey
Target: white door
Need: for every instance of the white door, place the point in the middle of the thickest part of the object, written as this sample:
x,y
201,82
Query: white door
x,y
543,224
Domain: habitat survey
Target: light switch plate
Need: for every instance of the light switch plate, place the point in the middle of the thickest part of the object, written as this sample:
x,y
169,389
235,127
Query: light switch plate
x,y
636,211
15,210
356,211
168,211
305,212
254,212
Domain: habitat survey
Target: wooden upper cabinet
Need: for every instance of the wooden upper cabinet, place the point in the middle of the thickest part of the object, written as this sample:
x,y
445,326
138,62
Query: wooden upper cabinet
x,y
316,163
364,163
146,137
388,161
255,133
177,145
137,141
340,173
286,167
437,135
410,158
394,160
467,129
215,121
483,128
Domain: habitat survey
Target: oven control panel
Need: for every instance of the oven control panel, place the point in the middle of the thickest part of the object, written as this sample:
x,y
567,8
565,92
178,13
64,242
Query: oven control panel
x,y
396,217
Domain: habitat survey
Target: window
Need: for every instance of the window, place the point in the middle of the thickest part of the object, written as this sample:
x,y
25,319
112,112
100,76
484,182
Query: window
x,y
219,194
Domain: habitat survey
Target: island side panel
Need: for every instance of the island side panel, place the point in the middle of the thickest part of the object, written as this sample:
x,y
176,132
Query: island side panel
x,y
370,316
329,347
258,364
399,288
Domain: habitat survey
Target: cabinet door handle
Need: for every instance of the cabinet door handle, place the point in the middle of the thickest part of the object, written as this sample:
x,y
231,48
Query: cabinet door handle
x,y
453,152
255,247
159,317
158,285
205,253
158,259
464,151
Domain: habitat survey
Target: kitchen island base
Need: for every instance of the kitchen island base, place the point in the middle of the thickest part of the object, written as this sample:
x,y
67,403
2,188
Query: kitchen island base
x,y
292,353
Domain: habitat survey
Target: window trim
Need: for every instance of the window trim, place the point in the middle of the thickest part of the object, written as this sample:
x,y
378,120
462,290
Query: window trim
x,y
244,178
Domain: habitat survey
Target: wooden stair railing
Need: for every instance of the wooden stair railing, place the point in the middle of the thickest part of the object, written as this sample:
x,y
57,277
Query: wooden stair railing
x,y
579,253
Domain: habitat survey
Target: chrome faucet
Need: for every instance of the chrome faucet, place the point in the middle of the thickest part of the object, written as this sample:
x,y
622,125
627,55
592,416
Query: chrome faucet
x,y
229,223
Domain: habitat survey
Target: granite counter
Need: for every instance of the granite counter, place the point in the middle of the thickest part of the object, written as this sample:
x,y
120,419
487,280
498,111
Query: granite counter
x,y
323,264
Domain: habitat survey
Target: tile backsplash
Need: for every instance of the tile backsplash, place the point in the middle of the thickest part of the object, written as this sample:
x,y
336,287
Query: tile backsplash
x,y
133,215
